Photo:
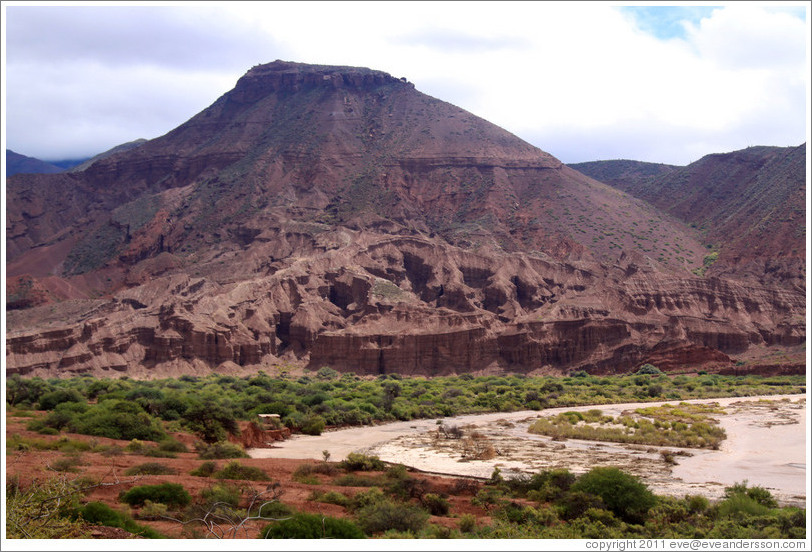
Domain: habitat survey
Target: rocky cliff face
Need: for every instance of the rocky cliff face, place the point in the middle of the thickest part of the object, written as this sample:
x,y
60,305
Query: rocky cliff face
x,y
336,216
417,306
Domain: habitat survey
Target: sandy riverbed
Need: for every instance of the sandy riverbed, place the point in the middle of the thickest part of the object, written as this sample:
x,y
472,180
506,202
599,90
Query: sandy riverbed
x,y
765,445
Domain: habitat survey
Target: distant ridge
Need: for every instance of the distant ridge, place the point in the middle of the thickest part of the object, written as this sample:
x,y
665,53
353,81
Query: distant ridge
x,y
17,163
620,172
112,151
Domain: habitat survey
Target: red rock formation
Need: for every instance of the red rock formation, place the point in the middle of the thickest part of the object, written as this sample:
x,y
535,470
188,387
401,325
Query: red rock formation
x,y
336,216
252,436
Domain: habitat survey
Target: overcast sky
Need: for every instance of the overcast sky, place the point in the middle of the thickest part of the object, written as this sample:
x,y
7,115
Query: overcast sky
x,y
582,81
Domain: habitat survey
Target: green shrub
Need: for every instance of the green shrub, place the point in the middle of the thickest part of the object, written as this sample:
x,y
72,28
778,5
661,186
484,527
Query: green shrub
x,y
759,494
171,494
211,421
623,494
367,498
220,450
48,431
65,464
648,369
740,504
155,452
361,462
467,523
206,469
235,470
49,401
435,504
313,425
696,504
98,513
386,515
150,468
353,480
117,420
171,445
311,526
332,497
574,504
227,493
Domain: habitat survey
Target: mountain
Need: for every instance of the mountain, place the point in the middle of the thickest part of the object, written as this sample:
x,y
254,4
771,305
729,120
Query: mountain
x,y
84,164
323,215
17,163
748,204
622,173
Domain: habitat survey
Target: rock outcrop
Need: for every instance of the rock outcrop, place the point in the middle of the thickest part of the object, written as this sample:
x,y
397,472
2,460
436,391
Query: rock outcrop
x,y
415,306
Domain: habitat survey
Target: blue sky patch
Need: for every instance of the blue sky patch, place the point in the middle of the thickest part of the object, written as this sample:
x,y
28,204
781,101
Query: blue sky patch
x,y
665,22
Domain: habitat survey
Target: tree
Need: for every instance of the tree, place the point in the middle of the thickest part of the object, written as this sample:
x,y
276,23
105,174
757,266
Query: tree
x,y
211,421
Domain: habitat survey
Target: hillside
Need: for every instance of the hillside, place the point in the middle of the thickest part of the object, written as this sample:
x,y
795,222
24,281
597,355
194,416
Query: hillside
x,y
17,163
748,204
117,149
622,173
336,216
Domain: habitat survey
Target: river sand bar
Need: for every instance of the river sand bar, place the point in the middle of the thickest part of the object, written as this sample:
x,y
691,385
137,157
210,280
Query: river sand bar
x,y
765,445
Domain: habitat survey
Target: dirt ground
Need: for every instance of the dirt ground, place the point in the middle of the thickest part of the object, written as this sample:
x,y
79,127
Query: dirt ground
x,y
36,465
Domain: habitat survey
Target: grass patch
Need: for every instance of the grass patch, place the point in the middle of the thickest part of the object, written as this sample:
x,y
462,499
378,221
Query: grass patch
x,y
682,425
235,470
150,468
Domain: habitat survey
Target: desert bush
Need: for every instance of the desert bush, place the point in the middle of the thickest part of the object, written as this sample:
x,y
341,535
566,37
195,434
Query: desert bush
x,y
150,468
171,494
489,498
401,485
312,526
42,510
648,369
354,480
361,462
313,425
211,421
741,504
332,497
367,498
153,510
696,504
573,504
156,452
467,523
759,494
65,464
117,420
50,400
623,494
98,513
386,515
435,504
227,493
220,450
172,445
235,470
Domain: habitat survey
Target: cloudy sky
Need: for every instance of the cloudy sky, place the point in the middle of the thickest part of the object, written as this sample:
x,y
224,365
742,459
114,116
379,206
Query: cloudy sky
x,y
582,81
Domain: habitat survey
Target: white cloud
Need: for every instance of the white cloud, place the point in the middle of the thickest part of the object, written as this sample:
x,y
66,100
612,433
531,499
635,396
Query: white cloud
x,y
538,69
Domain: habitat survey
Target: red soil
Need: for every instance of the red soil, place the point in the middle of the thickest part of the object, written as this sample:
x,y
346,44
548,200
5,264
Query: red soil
x,y
33,465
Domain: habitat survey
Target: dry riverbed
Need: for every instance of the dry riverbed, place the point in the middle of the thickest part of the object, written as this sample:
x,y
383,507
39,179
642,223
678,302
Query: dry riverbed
x,y
765,445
